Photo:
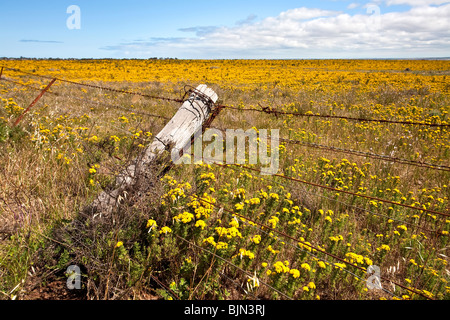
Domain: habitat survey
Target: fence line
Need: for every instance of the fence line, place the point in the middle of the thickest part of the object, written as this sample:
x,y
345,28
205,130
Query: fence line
x,y
360,153
26,85
99,87
34,102
271,111
369,155
90,101
352,206
354,152
342,191
266,110
364,209
291,141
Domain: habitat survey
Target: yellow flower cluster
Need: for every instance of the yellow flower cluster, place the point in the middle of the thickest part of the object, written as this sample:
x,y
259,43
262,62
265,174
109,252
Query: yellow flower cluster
x,y
207,178
184,217
229,233
256,239
200,224
219,245
334,88
245,253
384,247
202,208
336,238
356,258
281,267
165,230
176,193
273,221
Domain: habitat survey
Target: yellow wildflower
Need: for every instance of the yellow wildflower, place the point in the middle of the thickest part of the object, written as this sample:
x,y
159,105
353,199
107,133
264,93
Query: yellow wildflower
x,y
200,224
119,244
306,266
311,285
280,267
165,230
221,245
256,239
151,223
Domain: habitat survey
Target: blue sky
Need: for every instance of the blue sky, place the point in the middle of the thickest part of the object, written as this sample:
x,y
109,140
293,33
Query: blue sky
x,y
227,29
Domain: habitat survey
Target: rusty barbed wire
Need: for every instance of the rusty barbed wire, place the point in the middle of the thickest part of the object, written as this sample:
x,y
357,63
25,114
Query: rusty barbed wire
x,y
26,85
97,86
359,153
399,221
271,111
341,191
369,155
291,141
89,101
266,110
434,232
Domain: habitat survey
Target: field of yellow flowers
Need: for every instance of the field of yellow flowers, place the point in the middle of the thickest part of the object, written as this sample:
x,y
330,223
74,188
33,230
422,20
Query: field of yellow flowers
x,y
206,231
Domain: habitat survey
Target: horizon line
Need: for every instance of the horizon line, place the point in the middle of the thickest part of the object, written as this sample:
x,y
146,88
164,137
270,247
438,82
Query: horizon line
x,y
224,59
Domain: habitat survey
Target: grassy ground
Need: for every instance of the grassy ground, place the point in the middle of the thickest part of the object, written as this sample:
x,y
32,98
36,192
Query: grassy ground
x,y
168,243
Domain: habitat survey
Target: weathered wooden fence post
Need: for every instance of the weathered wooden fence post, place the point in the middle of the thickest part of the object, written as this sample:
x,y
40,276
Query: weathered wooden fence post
x,y
175,135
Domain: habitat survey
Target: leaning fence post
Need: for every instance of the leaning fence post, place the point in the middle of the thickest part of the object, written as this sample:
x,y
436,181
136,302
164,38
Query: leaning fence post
x,y
175,135
34,102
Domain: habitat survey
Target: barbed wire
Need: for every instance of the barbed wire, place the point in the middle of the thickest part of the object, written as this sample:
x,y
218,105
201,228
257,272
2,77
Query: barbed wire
x,y
362,209
90,101
271,111
213,161
341,191
97,86
25,85
266,110
369,155
276,112
359,153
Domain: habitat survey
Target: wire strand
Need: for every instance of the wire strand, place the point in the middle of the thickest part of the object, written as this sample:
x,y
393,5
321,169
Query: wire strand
x,y
342,191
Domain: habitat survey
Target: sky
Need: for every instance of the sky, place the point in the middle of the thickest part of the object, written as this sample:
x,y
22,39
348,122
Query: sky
x,y
231,29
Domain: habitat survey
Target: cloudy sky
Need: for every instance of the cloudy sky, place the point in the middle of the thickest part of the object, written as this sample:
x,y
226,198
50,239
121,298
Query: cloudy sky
x,y
225,29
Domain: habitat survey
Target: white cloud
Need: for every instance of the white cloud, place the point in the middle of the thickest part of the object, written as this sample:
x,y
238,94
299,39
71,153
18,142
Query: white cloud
x,y
301,14
416,3
309,33
353,5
